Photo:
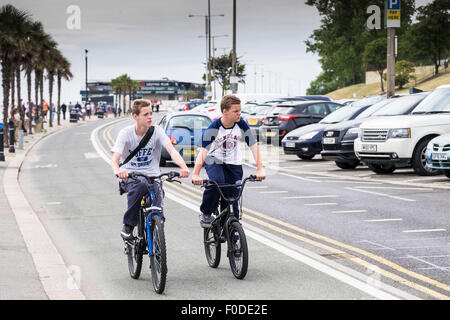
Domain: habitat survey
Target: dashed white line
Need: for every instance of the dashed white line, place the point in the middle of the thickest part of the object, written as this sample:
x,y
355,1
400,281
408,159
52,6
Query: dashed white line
x,y
349,211
424,230
308,197
384,220
269,192
381,194
321,204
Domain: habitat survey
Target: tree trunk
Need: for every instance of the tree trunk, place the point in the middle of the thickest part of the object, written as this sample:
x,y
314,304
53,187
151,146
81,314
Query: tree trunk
x,y
41,89
50,99
5,85
30,105
13,90
19,99
59,100
381,80
36,95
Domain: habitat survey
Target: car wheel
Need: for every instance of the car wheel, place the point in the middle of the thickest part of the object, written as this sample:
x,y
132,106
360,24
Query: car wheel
x,y
447,173
305,157
385,168
347,165
419,162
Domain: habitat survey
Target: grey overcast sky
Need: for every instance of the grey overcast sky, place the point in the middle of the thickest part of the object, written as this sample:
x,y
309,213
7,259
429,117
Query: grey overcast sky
x,y
149,39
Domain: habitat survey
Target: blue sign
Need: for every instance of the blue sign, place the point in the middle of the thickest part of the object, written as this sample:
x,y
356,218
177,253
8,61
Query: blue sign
x,y
393,4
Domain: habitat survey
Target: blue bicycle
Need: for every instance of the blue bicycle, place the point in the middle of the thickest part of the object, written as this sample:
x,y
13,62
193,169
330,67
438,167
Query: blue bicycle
x,y
150,237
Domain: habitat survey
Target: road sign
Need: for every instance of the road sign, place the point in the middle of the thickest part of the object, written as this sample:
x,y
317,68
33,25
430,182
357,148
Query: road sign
x,y
393,14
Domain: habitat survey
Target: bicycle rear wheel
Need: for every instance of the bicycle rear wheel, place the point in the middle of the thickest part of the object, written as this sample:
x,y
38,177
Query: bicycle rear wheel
x,y
212,246
238,250
158,260
134,252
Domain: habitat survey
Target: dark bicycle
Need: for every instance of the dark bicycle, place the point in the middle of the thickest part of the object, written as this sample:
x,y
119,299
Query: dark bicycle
x,y
226,227
150,237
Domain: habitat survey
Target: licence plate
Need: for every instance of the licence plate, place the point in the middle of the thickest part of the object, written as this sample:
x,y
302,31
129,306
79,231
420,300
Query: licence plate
x,y
271,133
290,144
438,156
188,152
329,140
252,121
369,147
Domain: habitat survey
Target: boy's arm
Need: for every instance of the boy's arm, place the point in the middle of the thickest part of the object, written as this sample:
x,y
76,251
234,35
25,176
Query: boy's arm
x,y
260,172
196,179
122,174
176,157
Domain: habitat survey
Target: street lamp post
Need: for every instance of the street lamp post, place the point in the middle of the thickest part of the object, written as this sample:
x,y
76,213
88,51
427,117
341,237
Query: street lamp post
x,y
86,80
208,42
233,61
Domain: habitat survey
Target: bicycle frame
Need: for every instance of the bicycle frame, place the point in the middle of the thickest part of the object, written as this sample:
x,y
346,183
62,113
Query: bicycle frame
x,y
148,214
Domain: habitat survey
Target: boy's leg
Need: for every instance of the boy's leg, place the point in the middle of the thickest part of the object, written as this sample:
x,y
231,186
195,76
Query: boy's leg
x,y
233,175
136,191
211,195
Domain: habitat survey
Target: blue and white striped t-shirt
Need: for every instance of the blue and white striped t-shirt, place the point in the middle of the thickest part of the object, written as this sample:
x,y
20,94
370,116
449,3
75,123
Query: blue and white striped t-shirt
x,y
223,143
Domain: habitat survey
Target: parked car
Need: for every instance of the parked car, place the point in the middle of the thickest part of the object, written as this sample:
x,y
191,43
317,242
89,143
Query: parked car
x,y
255,119
185,131
212,109
191,104
438,154
313,97
338,140
290,115
306,141
345,102
388,143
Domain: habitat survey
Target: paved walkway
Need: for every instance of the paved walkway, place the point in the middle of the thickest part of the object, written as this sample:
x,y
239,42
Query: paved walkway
x,y
19,276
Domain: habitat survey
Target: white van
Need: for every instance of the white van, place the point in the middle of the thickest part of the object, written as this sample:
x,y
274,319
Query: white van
x,y
387,143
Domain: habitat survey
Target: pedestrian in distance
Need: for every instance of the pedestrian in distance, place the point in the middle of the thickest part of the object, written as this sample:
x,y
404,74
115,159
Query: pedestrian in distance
x,y
63,110
221,155
146,162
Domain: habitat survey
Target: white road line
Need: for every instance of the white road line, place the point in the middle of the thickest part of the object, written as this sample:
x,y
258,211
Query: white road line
x,y
300,178
381,194
424,230
350,211
321,204
91,155
352,182
269,192
257,187
308,197
396,188
384,220
54,203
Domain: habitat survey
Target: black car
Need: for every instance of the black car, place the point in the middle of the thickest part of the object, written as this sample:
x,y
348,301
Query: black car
x,y
254,120
290,115
338,140
306,142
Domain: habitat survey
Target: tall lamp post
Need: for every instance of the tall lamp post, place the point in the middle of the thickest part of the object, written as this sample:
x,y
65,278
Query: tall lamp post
x,y
213,50
234,84
208,43
86,80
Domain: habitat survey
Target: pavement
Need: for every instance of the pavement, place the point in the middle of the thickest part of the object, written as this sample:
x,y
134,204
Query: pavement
x,y
30,266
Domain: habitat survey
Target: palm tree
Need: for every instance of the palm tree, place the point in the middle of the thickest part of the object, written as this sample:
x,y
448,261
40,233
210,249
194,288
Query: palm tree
x,y
53,58
12,22
62,72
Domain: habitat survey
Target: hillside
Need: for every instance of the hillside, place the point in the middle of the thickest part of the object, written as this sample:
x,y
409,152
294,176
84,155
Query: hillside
x,y
362,90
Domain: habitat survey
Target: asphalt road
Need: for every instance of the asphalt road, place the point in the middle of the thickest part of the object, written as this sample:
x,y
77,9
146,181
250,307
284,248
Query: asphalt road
x,y
314,232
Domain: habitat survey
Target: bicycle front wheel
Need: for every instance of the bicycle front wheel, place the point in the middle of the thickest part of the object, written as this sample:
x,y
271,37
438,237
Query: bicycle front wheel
x,y
134,252
158,260
238,250
212,246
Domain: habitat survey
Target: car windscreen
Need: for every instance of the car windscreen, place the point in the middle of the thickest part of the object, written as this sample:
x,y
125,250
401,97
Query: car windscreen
x,y
368,101
282,110
189,122
398,106
373,108
341,114
436,102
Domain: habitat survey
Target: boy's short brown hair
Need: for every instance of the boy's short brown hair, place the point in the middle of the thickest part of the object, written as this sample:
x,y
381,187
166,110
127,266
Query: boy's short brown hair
x,y
138,104
228,101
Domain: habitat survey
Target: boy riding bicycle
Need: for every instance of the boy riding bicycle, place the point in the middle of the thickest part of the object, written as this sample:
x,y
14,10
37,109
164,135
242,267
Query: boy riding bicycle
x,y
222,156
146,161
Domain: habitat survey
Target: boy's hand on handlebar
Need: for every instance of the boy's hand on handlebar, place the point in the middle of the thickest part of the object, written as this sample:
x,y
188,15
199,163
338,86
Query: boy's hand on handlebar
x,y
122,174
197,180
184,173
260,174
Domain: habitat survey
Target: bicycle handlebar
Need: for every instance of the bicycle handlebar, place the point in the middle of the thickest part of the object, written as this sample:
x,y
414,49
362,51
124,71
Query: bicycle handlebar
x,y
207,182
170,176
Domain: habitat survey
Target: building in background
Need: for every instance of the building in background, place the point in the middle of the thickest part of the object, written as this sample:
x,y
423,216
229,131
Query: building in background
x,y
164,89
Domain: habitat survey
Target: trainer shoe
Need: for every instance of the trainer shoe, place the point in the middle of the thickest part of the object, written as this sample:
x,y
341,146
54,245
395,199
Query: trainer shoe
x,y
127,232
205,220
